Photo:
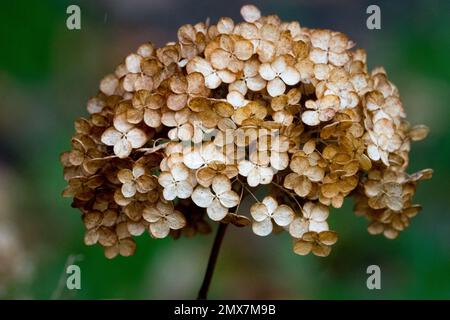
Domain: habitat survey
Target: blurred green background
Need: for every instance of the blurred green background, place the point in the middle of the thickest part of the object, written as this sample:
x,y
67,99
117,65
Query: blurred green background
x,y
48,72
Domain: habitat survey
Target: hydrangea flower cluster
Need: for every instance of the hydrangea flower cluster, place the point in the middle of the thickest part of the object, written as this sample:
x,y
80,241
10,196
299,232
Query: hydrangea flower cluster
x,y
184,133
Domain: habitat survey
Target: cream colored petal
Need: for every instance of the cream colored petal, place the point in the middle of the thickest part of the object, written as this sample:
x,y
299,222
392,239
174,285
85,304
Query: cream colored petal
x,y
318,226
184,189
128,189
290,76
315,174
201,65
165,179
262,228
318,56
256,83
176,220
111,136
259,211
221,184
216,211
193,159
220,59
254,178
185,132
266,175
170,192
245,167
310,118
122,148
136,137
133,63
276,87
121,122
212,81
179,172
229,199
135,228
202,197
250,13
266,71
373,152
160,229
283,215
298,227
226,76
271,204
236,99
168,119
127,247
151,214
243,49
319,212
152,118
279,161
177,101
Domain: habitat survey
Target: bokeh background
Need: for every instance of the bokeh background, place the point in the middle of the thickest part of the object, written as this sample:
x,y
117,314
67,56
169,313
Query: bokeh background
x,y
48,72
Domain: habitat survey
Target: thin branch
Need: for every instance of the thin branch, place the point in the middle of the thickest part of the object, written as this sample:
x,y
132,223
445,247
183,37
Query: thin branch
x,y
203,293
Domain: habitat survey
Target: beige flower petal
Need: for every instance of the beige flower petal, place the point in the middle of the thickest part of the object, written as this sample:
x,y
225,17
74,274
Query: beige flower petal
x,y
111,136
271,204
220,59
127,247
184,189
159,229
216,211
310,118
283,215
212,81
266,71
250,13
298,227
290,76
266,175
179,172
259,211
229,199
122,148
318,226
170,192
133,63
243,49
256,83
254,177
136,137
128,189
176,220
245,167
221,184
262,228
276,87
202,197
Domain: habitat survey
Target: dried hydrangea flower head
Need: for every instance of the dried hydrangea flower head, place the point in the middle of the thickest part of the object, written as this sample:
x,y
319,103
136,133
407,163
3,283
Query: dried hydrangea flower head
x,y
180,135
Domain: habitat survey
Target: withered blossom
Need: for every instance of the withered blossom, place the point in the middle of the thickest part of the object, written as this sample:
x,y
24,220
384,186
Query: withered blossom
x,y
186,132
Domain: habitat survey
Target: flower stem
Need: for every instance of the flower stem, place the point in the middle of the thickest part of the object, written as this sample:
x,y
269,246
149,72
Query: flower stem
x,y
203,293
